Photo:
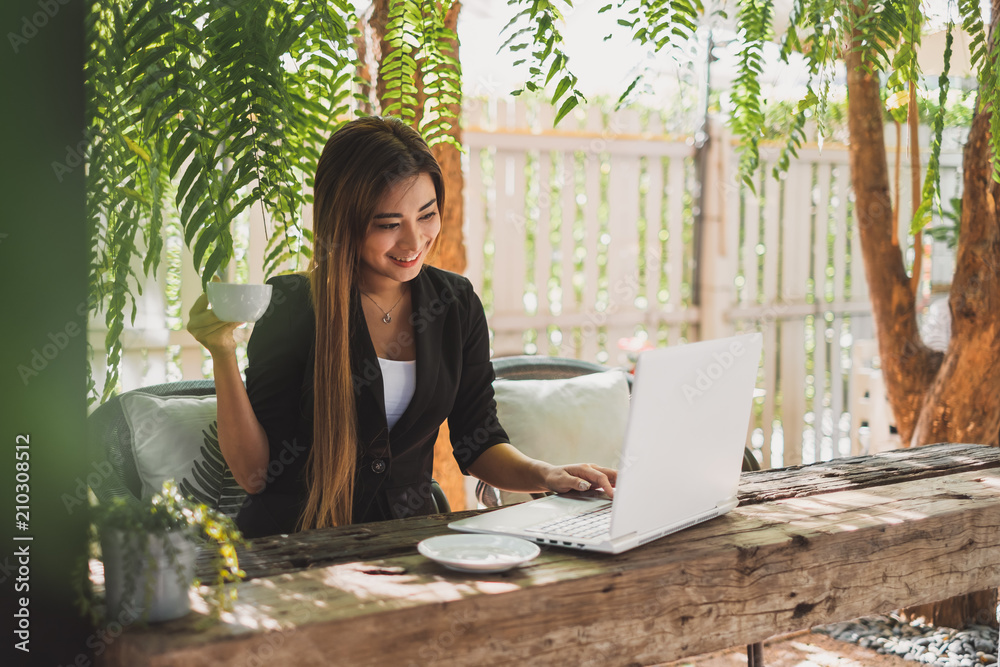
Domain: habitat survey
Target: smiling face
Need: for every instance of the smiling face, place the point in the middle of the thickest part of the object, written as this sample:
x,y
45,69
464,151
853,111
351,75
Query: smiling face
x,y
400,234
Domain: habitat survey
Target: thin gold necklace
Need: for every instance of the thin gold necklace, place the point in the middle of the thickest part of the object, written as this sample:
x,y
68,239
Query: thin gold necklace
x,y
386,317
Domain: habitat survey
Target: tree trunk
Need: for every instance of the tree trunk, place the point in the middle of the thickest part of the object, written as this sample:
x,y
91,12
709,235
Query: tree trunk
x,y
908,365
450,252
963,404
451,246
450,255
953,397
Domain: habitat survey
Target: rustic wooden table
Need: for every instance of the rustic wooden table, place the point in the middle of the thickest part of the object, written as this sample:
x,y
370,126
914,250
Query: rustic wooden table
x,y
807,545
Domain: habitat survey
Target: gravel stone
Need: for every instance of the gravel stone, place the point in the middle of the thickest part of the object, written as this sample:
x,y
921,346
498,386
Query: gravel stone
x,y
975,646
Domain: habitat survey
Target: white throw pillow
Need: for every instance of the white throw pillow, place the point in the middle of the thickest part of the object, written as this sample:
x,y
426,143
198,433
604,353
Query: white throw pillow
x,y
175,437
576,420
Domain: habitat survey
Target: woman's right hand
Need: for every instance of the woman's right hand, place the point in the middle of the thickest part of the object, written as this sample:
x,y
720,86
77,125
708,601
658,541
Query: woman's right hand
x,y
209,330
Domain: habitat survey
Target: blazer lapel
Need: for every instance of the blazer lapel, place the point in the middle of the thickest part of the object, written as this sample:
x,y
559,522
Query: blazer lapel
x,y
370,394
427,329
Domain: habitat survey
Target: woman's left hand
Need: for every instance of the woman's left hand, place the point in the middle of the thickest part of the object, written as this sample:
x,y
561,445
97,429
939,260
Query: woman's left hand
x,y
581,477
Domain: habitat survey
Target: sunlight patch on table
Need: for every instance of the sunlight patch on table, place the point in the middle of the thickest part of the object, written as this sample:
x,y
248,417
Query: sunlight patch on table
x,y
357,579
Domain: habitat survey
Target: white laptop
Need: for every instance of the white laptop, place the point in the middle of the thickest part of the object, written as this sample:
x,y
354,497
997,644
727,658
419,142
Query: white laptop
x,y
680,462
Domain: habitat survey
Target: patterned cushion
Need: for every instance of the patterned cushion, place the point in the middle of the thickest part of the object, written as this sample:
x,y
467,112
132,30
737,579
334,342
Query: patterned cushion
x,y
176,437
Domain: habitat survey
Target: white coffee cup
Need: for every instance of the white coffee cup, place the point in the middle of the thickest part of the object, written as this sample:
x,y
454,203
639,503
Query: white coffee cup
x,y
235,302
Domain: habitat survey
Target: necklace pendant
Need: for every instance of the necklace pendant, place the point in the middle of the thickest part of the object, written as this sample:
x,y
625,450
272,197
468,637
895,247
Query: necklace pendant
x,y
387,318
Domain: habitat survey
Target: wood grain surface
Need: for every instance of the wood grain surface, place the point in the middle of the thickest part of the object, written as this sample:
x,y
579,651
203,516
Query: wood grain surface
x,y
788,558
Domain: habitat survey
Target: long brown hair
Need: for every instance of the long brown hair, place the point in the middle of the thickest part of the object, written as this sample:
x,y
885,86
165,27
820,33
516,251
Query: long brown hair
x,y
360,162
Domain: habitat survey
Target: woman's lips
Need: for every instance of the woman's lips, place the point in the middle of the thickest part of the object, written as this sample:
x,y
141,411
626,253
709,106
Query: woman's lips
x,y
405,264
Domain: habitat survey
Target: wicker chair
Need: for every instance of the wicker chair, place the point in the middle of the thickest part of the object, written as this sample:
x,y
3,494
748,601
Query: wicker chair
x,y
110,439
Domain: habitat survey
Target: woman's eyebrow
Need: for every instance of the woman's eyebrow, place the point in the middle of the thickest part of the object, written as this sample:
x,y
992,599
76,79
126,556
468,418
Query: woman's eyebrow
x,y
381,216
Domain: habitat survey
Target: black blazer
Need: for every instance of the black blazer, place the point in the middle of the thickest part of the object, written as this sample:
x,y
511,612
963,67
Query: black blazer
x,y
454,382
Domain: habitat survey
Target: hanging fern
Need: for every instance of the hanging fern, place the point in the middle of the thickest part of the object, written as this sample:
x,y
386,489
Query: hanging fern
x,y
229,101
748,116
441,75
877,28
399,68
817,31
657,23
115,203
422,76
535,26
932,181
986,59
905,69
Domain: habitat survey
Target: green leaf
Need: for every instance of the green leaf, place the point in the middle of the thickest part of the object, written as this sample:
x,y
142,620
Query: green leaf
x,y
561,89
136,148
567,106
807,102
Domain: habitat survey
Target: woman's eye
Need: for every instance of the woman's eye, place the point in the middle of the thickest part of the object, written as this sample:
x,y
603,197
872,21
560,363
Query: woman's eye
x,y
389,225
428,216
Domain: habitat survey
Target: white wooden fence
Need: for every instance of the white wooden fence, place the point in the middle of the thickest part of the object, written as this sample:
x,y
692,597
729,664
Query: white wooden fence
x,y
588,237
586,234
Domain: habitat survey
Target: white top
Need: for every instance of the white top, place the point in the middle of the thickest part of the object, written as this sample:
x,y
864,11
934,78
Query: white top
x,y
399,378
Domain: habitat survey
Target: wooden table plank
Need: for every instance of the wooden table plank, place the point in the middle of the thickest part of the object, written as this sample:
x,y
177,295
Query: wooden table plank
x,y
288,553
765,568
864,471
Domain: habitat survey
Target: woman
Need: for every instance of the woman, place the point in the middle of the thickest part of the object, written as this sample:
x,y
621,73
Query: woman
x,y
353,367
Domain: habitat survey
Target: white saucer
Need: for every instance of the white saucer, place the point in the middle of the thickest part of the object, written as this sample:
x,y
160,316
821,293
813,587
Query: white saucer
x,y
478,553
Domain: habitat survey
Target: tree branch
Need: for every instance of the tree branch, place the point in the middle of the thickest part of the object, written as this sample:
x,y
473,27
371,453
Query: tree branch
x,y
908,365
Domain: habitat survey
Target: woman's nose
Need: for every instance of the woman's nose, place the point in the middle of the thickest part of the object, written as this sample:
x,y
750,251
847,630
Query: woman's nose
x,y
409,237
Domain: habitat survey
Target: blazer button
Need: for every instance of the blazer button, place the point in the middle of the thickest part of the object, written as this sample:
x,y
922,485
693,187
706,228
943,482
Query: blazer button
x,y
378,465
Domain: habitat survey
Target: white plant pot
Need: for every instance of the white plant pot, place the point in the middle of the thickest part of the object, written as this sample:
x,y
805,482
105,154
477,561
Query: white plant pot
x,y
158,593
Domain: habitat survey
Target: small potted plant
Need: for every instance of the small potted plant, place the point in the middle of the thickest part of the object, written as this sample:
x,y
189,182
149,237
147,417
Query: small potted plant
x,y
149,550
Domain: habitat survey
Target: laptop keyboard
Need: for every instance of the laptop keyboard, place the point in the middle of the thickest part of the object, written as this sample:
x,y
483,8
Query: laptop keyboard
x,y
586,525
